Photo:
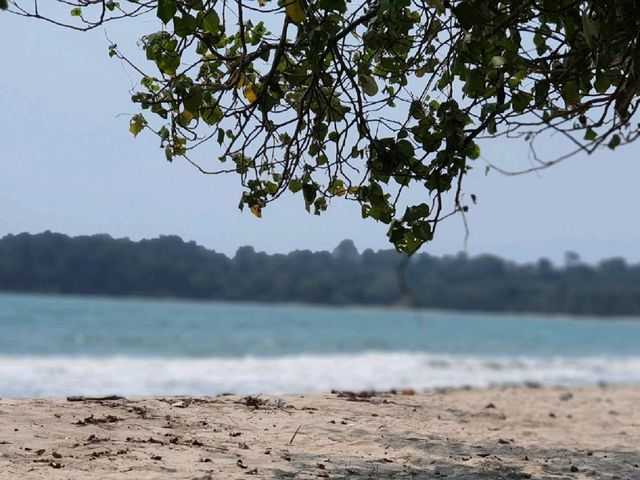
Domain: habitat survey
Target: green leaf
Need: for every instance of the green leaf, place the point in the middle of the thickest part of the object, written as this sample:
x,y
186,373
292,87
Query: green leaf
x,y
416,212
194,101
498,61
473,151
520,101
467,14
369,85
76,12
309,194
437,4
185,25
541,92
590,30
271,187
314,149
335,5
396,233
405,148
319,132
211,22
422,230
474,86
185,118
614,142
169,63
412,243
295,185
320,205
570,93
166,10
164,133
602,83
137,123
540,42
212,114
590,134
3,5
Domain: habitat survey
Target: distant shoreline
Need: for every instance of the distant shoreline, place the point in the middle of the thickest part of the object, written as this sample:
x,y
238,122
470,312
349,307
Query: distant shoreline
x,y
328,306
454,433
170,267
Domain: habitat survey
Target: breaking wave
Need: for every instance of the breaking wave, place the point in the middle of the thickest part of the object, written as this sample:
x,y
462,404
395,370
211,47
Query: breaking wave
x,y
28,376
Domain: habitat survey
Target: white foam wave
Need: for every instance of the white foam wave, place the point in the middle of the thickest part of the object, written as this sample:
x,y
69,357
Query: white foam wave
x,y
58,376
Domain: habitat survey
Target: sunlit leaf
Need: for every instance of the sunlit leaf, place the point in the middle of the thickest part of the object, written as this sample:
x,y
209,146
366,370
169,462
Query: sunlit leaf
x,y
295,10
256,210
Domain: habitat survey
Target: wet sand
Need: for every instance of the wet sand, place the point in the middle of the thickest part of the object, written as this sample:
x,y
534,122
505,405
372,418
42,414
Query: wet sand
x,y
498,433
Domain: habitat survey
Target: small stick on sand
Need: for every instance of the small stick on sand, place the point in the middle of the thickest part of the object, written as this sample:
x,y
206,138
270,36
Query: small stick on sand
x,y
294,434
81,398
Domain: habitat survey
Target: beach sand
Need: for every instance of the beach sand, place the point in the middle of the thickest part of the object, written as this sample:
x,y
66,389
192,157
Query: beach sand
x,y
498,433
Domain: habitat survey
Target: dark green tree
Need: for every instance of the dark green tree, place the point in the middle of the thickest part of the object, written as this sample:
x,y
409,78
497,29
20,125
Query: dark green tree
x,y
170,267
363,100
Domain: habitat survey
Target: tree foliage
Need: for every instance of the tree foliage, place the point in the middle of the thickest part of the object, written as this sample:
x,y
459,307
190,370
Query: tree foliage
x,y
169,267
363,100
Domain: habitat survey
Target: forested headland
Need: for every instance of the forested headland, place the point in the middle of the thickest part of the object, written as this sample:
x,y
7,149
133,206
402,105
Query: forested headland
x,y
170,267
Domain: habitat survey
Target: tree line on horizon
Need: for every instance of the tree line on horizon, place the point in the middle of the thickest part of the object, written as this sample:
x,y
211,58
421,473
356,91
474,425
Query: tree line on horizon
x,y
170,267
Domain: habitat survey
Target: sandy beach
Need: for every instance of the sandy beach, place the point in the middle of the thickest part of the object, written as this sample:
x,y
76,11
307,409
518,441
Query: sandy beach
x,y
510,433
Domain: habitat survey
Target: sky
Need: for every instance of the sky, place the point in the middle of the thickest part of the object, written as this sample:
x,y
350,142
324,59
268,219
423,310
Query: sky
x,y
68,164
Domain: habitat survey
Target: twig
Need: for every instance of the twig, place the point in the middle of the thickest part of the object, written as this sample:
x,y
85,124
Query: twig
x,y
80,398
294,434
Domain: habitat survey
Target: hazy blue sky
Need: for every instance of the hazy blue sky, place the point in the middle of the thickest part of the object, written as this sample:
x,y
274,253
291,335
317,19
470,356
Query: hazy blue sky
x,y
68,164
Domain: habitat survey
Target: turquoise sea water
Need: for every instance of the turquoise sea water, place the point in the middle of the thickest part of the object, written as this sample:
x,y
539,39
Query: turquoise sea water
x,y
59,345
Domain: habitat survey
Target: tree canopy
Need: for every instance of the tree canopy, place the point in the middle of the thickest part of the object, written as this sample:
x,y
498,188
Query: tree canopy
x,y
364,100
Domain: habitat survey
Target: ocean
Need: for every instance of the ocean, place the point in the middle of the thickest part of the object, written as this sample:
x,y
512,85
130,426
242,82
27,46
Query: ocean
x,y
68,345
